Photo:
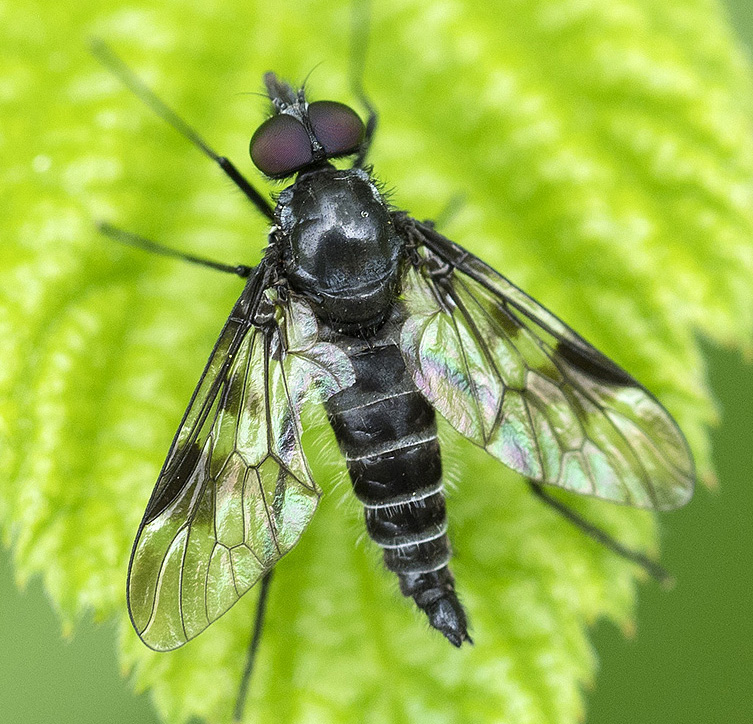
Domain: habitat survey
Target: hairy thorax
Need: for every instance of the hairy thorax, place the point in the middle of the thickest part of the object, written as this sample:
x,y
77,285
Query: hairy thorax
x,y
339,246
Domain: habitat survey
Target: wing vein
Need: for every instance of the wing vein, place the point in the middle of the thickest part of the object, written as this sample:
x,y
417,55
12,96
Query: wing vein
x,y
587,425
268,415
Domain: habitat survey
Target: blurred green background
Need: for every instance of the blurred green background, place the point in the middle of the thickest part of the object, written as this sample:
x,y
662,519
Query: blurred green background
x,y
690,659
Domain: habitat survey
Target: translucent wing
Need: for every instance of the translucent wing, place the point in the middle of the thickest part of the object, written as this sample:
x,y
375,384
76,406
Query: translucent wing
x,y
235,493
513,378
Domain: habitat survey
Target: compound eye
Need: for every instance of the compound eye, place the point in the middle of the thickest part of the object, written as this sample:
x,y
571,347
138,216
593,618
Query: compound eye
x,y
336,126
280,146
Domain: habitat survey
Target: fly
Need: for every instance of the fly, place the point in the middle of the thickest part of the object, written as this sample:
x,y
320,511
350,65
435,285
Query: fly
x,y
384,321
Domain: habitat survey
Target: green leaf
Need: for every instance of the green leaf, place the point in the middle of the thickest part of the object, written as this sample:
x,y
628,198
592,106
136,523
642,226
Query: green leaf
x,y
604,153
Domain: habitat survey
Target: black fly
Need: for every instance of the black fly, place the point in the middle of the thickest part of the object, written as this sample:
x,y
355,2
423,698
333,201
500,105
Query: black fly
x,y
384,321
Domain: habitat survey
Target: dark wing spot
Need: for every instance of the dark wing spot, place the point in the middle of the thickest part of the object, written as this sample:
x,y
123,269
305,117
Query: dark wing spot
x,y
594,364
505,320
254,406
171,483
279,497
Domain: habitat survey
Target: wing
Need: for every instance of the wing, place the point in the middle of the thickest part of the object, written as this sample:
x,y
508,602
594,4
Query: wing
x,y
235,493
513,378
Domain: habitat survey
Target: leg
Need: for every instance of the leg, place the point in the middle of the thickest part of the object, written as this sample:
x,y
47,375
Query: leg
x,y
139,242
261,606
106,56
359,41
651,567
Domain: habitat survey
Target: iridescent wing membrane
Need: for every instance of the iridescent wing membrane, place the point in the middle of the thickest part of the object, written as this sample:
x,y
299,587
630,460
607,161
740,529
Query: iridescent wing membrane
x,y
514,379
235,492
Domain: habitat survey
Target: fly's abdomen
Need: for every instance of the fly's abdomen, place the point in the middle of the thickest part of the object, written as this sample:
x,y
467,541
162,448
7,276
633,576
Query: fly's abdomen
x,y
388,434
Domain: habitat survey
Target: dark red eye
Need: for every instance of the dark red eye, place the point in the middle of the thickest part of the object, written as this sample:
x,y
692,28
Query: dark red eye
x,y
337,127
280,146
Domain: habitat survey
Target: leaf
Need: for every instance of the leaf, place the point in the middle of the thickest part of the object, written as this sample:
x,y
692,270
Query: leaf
x,y
604,153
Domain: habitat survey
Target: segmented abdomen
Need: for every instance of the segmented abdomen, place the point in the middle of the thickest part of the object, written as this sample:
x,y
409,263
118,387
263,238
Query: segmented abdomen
x,y
388,434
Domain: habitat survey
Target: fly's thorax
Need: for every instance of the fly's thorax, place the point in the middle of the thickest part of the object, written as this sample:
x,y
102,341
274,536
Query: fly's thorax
x,y
339,246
